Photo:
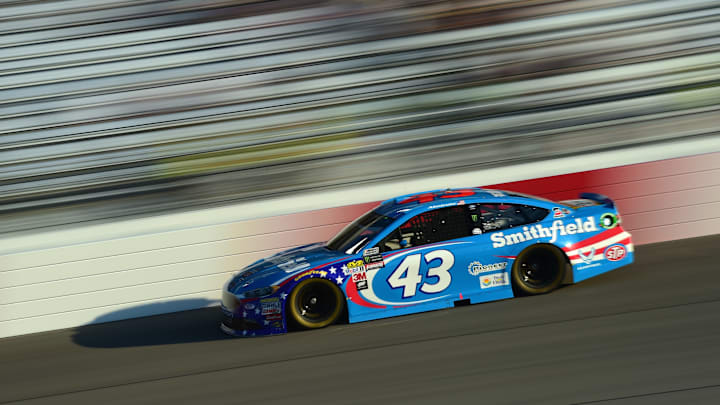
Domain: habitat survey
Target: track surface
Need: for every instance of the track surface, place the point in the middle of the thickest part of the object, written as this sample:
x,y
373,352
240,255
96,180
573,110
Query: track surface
x,y
645,334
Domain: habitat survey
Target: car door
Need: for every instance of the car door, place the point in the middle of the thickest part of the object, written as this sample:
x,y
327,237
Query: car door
x,y
488,269
494,264
420,265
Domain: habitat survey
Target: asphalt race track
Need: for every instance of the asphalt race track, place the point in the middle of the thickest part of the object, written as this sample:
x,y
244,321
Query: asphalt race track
x,y
645,334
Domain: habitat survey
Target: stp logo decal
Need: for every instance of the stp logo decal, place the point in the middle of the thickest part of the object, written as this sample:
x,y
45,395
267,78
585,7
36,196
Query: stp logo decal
x,y
615,252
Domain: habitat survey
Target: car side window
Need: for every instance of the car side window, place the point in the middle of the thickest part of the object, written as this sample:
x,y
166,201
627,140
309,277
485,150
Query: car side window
x,y
495,217
533,214
429,227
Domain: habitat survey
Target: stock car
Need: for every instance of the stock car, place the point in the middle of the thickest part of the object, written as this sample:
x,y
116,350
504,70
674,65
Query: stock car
x,y
427,251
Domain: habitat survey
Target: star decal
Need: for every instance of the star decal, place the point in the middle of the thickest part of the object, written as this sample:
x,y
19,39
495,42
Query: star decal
x,y
339,279
244,314
266,322
332,270
257,311
244,332
283,296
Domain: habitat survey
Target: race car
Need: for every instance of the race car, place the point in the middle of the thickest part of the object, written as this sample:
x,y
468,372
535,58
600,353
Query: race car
x,y
428,251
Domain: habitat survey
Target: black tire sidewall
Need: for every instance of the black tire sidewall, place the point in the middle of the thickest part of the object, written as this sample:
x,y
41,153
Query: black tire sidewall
x,y
295,319
524,289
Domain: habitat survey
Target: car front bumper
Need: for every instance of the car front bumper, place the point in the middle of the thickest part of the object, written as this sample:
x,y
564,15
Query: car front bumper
x,y
252,317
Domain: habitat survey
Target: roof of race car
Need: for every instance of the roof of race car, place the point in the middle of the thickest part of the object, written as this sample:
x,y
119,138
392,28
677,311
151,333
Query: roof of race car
x,y
445,197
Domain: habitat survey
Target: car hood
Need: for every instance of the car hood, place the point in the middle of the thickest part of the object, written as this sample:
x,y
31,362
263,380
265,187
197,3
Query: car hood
x,y
280,266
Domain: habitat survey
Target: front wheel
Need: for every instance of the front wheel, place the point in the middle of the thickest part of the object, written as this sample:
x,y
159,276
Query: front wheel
x,y
315,303
538,269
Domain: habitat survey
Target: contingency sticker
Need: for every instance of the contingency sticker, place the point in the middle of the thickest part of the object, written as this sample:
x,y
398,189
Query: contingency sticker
x,y
494,280
356,270
373,259
271,308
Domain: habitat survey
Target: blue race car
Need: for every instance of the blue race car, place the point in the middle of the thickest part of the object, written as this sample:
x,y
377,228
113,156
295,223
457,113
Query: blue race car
x,y
428,251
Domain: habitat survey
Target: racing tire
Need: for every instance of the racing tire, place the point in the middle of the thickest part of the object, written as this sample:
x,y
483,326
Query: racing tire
x,y
538,270
315,303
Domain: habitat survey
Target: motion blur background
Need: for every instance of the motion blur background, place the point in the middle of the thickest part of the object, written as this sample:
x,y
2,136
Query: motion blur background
x,y
118,111
115,108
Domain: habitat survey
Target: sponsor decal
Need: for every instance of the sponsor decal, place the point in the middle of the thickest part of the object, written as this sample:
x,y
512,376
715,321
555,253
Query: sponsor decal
x,y
588,266
436,206
615,252
270,306
375,265
476,267
373,259
354,266
244,275
588,257
494,280
491,226
290,265
538,231
559,212
372,251
356,270
609,220
360,280
313,273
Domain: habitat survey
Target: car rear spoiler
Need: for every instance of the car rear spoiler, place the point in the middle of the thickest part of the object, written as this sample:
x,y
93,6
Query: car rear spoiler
x,y
604,200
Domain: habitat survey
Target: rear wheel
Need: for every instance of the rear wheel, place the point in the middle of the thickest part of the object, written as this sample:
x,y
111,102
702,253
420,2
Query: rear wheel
x,y
315,303
538,269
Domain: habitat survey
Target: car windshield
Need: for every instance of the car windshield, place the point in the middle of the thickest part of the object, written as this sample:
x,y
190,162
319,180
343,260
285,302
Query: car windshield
x,y
356,235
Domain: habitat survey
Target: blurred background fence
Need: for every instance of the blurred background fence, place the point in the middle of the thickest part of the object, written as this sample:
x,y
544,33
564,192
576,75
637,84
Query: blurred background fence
x,y
116,108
